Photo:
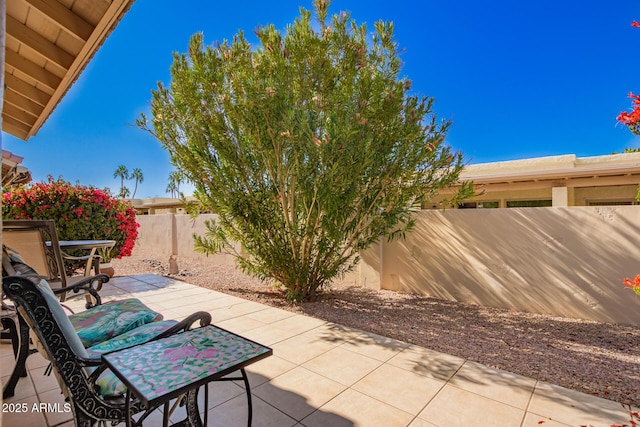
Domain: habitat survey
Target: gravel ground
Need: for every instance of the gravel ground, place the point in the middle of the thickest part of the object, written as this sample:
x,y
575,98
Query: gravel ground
x,y
596,358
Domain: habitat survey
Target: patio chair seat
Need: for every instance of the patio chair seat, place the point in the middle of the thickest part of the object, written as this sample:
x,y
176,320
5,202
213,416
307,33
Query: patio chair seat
x,y
106,321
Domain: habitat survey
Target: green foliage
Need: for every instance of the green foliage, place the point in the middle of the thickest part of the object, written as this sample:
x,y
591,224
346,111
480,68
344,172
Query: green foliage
x,y
310,147
79,212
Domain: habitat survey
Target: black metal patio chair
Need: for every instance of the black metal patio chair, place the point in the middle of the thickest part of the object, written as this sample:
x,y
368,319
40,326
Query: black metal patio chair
x,y
81,372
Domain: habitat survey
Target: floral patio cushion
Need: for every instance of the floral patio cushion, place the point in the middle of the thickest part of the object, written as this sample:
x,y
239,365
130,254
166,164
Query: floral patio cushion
x,y
135,336
101,323
109,385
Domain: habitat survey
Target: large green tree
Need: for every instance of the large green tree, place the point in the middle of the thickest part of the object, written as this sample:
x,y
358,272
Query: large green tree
x,y
309,146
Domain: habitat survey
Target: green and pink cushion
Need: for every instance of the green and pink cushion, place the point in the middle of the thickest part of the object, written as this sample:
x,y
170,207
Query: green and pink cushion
x,y
109,320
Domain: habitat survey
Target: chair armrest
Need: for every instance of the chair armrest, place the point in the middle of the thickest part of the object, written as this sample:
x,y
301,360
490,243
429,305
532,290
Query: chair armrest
x,y
186,324
78,258
85,285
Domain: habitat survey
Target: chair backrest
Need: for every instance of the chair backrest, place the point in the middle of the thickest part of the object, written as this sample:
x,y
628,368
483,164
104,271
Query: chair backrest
x,y
29,238
39,312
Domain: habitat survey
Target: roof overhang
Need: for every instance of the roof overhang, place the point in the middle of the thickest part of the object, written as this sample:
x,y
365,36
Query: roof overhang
x,y
566,167
48,44
12,172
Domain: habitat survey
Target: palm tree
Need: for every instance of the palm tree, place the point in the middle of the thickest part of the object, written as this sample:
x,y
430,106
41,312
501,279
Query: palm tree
x,y
124,192
172,188
175,179
123,173
137,175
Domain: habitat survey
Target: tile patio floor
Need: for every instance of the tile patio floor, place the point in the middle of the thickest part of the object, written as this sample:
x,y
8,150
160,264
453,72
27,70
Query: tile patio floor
x,y
324,374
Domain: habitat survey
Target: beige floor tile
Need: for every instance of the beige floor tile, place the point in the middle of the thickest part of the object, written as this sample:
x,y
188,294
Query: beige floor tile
x,y
298,392
352,408
403,389
270,315
219,393
137,287
505,387
109,291
430,363
375,346
185,310
6,350
302,348
233,311
239,324
343,366
421,423
36,360
234,413
55,409
268,334
575,408
267,369
330,332
44,382
298,323
533,420
20,413
456,407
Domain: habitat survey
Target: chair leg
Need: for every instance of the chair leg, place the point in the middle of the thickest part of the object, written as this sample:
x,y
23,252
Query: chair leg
x,y
19,369
193,414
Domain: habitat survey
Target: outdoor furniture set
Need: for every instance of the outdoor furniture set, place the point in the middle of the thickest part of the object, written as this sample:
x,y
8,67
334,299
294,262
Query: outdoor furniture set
x,y
119,361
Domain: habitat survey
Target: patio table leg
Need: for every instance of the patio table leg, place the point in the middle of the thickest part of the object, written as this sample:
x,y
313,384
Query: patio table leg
x,y
248,390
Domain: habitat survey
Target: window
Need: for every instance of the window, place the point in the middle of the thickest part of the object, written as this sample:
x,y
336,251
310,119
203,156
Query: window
x,y
479,205
611,203
528,203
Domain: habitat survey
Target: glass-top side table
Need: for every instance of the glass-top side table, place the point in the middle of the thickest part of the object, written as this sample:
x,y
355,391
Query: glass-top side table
x,y
158,371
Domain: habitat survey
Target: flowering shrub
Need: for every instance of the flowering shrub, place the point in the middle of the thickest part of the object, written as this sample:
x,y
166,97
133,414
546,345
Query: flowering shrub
x,y
79,213
632,119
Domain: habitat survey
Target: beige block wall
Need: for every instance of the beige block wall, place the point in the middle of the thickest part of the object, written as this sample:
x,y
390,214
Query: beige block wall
x,y
161,236
567,261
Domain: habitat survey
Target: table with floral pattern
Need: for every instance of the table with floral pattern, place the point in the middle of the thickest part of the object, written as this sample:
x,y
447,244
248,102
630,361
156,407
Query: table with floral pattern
x,y
161,370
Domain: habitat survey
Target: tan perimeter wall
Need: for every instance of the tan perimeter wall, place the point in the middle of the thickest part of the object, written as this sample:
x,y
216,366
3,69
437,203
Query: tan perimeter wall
x,y
561,261
566,261
160,236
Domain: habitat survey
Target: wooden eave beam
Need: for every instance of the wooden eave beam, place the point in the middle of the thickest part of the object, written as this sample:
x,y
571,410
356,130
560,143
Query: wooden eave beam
x,y
19,114
98,36
32,70
14,127
64,18
23,103
48,50
31,92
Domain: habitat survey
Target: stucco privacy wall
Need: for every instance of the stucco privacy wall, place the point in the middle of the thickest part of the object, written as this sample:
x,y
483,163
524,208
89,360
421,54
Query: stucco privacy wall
x,y
567,261
160,236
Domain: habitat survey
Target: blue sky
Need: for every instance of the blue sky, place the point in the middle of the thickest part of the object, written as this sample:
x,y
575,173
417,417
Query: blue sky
x,y
517,79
